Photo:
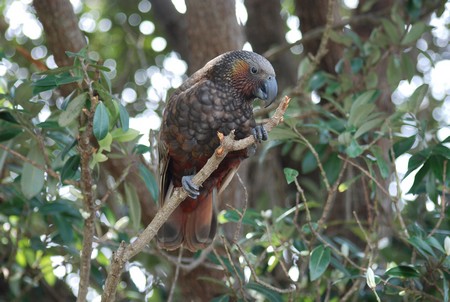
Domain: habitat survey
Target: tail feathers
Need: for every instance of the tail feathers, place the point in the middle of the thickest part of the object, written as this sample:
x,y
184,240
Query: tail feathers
x,y
194,230
170,235
201,224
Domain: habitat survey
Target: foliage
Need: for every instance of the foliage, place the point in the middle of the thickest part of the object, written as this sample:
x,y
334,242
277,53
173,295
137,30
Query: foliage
x,y
398,244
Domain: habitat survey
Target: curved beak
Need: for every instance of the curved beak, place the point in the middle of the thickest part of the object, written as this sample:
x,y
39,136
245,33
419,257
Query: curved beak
x,y
267,91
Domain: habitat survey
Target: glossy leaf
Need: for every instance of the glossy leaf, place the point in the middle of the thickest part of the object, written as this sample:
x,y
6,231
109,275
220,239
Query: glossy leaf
x,y
381,162
270,295
101,121
134,206
65,229
422,246
141,149
403,145
319,261
290,174
354,149
416,31
120,135
394,74
32,179
150,181
7,116
8,132
73,110
70,168
403,271
124,118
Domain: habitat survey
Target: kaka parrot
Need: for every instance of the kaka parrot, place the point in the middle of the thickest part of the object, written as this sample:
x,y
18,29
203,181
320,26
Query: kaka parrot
x,y
216,98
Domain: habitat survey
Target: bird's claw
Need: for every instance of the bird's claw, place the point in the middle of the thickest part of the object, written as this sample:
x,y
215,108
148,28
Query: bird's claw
x,y
259,133
251,150
192,189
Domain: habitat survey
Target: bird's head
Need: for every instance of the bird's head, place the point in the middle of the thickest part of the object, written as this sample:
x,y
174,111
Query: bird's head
x,y
251,75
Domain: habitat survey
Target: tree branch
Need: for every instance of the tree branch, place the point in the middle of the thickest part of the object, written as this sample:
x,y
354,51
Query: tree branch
x,y
227,144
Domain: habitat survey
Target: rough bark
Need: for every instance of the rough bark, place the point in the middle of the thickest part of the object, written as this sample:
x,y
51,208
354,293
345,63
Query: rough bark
x,y
313,14
173,24
212,30
61,29
267,32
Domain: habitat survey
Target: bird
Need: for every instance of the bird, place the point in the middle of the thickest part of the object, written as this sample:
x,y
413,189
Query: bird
x,y
216,98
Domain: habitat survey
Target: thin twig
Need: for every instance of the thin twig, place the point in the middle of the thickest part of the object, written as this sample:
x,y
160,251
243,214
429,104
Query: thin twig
x,y
443,201
175,278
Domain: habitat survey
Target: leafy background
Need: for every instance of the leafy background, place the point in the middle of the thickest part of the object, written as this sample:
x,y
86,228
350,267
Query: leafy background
x,y
347,201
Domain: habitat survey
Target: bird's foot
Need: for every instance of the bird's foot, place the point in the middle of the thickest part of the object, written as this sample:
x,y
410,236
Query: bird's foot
x,y
192,189
259,133
251,150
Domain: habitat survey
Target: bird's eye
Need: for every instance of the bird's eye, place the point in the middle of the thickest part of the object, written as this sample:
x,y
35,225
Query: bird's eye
x,y
253,70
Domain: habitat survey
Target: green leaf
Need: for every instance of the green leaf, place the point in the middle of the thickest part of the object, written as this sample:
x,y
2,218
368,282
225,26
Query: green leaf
x,y
64,229
70,168
59,207
105,143
101,121
150,181
414,101
445,288
32,179
223,298
68,147
435,243
271,295
356,64
368,125
391,31
417,160
81,54
134,205
250,217
124,118
354,149
403,145
394,72
290,174
46,266
422,246
141,149
119,135
417,185
416,31
49,125
319,261
381,162
7,116
8,131
317,80
332,167
359,109
73,110
403,271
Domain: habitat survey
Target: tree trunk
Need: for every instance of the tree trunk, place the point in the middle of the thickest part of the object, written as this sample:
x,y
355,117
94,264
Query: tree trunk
x,y
212,30
61,29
